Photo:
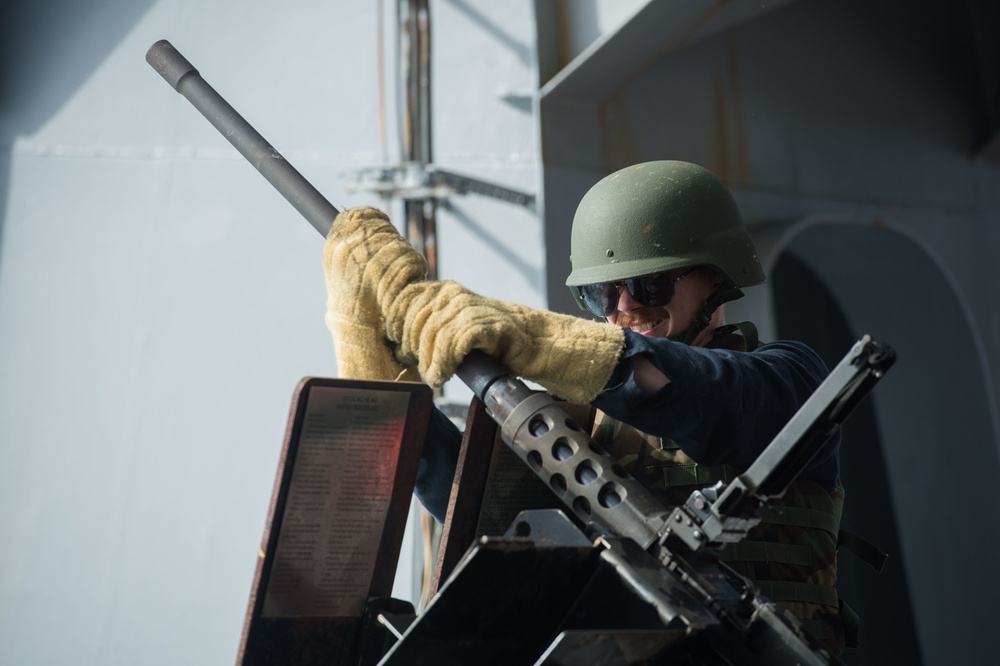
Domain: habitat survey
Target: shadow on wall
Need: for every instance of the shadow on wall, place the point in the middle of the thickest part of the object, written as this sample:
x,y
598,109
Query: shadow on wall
x,y
807,311
920,460
48,49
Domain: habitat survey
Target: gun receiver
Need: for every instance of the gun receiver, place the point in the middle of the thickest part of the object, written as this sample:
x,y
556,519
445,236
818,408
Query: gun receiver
x,y
687,584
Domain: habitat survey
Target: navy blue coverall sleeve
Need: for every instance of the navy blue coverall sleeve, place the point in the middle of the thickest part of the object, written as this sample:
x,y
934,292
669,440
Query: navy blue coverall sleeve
x,y
721,406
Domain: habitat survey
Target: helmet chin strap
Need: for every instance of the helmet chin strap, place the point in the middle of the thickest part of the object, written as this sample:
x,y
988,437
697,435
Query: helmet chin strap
x,y
725,293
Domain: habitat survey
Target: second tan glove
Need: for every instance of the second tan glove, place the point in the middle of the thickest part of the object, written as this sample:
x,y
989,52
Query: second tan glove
x,y
366,263
436,324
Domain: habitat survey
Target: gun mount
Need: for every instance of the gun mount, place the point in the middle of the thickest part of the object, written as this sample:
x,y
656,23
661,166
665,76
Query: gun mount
x,y
642,583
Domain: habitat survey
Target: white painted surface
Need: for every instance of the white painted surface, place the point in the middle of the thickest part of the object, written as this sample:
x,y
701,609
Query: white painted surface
x,y
159,300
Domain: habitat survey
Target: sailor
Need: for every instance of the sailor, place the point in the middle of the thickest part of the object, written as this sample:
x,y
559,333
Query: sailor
x,y
683,399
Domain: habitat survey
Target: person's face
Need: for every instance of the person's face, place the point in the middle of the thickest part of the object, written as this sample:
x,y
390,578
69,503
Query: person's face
x,y
690,294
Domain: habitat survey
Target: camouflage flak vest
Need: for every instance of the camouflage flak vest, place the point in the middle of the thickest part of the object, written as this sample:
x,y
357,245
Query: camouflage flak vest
x,y
791,555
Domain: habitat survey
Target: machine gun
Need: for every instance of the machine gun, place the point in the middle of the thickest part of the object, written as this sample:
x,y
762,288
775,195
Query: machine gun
x,y
639,583
664,562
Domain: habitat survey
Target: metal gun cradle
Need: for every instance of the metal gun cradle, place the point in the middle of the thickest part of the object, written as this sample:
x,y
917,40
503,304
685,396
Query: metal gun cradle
x,y
626,581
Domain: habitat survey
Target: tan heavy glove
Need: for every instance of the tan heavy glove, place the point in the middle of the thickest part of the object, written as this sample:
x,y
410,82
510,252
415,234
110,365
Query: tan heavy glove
x,y
438,323
366,262
374,274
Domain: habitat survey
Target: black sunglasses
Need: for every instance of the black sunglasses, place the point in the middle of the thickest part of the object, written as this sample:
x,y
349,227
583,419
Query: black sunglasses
x,y
650,290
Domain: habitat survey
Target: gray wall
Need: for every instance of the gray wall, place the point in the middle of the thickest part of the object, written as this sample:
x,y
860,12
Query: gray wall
x,y
159,301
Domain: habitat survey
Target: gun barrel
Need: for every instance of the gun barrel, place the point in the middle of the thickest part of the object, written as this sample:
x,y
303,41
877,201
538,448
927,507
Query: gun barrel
x,y
589,483
563,455
185,79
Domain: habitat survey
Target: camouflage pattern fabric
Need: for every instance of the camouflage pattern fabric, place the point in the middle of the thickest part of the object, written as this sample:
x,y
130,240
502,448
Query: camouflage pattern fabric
x,y
791,556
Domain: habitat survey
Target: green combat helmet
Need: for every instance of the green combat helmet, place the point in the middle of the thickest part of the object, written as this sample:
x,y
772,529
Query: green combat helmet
x,y
660,216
